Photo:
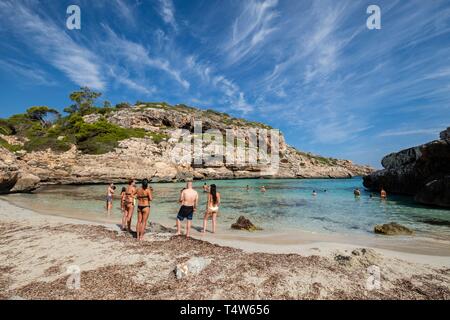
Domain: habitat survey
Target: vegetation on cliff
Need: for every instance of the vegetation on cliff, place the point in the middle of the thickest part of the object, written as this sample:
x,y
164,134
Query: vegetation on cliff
x,y
42,127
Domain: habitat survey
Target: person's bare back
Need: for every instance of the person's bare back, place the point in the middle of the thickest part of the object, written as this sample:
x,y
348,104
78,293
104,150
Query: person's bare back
x,y
189,198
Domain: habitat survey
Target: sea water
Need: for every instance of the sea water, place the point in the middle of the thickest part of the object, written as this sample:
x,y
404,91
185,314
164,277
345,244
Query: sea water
x,y
288,204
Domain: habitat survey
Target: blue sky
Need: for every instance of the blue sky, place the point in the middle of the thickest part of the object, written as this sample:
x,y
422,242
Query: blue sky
x,y
310,68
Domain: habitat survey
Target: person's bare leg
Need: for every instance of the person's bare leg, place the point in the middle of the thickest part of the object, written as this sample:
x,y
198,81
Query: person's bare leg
x,y
205,222
130,217
138,225
214,216
145,216
124,218
188,228
178,227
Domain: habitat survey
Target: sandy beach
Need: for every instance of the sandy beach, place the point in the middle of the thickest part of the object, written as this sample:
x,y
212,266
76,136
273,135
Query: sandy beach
x,y
36,250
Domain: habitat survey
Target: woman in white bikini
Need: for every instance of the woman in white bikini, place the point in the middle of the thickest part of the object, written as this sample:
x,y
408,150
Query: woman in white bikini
x,y
212,207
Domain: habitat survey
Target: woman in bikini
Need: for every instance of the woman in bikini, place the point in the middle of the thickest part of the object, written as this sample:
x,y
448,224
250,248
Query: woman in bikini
x,y
212,207
122,207
130,194
144,196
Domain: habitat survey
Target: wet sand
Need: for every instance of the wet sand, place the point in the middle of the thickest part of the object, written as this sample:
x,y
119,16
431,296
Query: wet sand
x,y
36,250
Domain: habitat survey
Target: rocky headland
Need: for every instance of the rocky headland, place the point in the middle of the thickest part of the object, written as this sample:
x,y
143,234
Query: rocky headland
x,y
25,162
422,171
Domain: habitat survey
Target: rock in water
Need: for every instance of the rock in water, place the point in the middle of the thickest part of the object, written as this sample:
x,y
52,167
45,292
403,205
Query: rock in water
x,y
392,229
420,171
243,223
12,178
193,266
26,182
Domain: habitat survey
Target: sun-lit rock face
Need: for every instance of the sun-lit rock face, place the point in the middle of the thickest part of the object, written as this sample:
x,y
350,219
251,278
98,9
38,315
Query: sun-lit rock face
x,y
153,156
421,171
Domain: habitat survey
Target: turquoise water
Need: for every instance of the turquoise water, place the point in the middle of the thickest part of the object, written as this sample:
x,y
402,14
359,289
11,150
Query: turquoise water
x,y
287,204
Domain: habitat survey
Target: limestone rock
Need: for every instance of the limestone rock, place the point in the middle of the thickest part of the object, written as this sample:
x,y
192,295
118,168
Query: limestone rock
x,y
445,135
139,158
436,192
418,171
191,267
243,223
26,182
392,229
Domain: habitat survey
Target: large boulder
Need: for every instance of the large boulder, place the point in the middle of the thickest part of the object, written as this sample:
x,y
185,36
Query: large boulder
x,y
26,182
416,171
12,177
392,228
243,223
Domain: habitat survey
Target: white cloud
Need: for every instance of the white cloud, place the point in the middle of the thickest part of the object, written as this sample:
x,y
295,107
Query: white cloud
x,y
139,56
409,132
27,71
167,12
79,64
253,25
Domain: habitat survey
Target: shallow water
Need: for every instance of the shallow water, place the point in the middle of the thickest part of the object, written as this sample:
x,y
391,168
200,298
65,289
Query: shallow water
x,y
287,205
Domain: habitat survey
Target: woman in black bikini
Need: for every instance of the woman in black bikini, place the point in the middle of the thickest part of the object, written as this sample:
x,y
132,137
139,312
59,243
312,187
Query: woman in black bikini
x,y
130,194
144,196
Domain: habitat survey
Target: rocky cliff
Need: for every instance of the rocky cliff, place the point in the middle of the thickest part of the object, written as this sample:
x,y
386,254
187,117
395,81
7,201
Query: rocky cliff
x,y
421,171
151,156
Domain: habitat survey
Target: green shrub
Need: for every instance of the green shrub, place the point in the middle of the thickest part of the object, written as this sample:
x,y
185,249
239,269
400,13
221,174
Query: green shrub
x,y
6,128
102,136
10,147
123,105
45,142
157,137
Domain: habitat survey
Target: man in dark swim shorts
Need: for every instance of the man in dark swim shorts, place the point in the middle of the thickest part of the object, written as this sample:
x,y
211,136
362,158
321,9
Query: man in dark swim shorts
x,y
189,203
185,212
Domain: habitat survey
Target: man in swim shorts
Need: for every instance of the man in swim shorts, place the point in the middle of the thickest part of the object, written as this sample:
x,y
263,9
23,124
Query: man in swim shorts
x,y
189,203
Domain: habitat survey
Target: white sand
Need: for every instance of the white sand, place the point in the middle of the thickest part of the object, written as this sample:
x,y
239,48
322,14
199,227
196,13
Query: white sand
x,y
39,248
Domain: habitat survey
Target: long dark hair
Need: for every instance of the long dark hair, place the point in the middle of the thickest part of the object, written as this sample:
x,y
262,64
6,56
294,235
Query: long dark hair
x,y
213,193
145,184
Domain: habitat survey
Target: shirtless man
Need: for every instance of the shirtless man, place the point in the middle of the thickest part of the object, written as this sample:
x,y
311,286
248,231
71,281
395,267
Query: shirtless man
x,y
109,197
189,203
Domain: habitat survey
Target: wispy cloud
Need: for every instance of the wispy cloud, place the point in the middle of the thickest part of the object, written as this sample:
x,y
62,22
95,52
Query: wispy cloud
x,y
406,132
167,12
53,45
253,25
136,54
233,96
31,72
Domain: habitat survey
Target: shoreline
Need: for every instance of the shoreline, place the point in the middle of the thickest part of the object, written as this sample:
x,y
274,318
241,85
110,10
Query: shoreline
x,y
414,248
125,181
42,246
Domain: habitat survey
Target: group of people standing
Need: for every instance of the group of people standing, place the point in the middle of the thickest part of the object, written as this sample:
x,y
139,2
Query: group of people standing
x,y
131,196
